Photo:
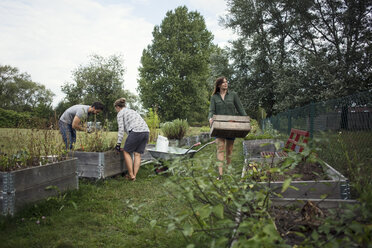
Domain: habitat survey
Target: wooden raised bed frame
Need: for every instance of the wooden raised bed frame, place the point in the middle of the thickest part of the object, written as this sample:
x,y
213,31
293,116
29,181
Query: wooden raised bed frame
x,y
99,165
29,185
337,187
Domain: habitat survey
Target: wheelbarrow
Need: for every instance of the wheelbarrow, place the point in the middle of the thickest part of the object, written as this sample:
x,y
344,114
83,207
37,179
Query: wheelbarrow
x,y
174,152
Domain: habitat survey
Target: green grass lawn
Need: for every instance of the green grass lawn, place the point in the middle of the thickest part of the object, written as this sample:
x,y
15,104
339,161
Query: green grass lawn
x,y
101,219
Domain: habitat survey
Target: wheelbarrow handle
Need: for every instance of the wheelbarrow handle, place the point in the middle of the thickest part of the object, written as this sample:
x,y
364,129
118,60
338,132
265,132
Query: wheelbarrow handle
x,y
212,142
196,144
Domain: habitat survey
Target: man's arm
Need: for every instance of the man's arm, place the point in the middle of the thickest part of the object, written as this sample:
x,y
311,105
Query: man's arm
x,y
76,124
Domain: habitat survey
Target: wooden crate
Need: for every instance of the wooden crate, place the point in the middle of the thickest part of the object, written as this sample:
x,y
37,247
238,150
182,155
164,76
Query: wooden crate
x,y
253,148
229,126
21,187
99,165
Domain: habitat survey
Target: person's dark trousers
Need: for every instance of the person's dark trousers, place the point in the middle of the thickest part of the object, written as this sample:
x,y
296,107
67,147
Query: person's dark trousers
x,y
68,134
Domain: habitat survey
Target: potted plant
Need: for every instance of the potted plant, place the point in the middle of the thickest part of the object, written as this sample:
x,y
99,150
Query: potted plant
x,y
175,131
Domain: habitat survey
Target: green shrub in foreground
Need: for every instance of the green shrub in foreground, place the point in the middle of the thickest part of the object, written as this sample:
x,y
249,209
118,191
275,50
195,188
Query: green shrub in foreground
x,y
215,213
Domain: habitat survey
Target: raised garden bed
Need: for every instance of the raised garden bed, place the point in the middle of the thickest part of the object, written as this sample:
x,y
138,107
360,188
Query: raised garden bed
x,y
330,184
29,185
99,165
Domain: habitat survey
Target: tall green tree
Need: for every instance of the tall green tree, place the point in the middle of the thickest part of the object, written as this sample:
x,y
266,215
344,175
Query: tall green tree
x,y
174,69
290,53
19,93
100,80
256,54
220,66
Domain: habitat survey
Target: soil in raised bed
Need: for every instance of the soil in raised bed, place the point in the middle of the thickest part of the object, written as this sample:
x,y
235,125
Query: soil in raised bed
x,y
290,220
308,171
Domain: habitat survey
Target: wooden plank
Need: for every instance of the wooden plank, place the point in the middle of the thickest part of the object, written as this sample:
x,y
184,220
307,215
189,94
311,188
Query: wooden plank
x,y
322,203
300,132
229,118
88,164
38,192
309,189
91,171
29,185
113,164
46,173
230,129
253,148
236,126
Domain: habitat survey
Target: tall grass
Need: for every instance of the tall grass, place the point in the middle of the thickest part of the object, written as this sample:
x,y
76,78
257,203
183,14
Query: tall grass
x,y
13,140
21,148
26,148
350,153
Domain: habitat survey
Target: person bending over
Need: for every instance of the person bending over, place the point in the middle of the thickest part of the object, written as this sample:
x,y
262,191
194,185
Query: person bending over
x,y
131,122
71,120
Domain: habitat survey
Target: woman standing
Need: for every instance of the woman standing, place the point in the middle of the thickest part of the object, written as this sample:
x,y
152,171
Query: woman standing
x,y
224,102
131,122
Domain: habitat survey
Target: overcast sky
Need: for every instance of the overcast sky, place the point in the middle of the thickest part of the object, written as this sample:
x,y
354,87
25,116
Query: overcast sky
x,y
48,39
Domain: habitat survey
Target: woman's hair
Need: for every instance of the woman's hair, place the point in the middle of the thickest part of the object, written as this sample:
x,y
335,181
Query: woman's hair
x,y
120,103
217,85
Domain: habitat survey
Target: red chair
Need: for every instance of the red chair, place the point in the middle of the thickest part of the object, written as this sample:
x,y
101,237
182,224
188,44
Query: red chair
x,y
295,143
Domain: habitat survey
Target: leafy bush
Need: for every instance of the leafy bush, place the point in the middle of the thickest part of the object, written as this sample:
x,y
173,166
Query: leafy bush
x,y
205,129
175,129
236,211
13,119
153,121
216,213
256,132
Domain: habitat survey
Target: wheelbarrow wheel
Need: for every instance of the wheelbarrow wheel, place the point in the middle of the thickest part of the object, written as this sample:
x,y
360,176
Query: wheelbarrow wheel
x,y
159,168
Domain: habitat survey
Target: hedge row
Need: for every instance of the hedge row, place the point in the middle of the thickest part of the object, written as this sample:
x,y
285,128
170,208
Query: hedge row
x,y
13,119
